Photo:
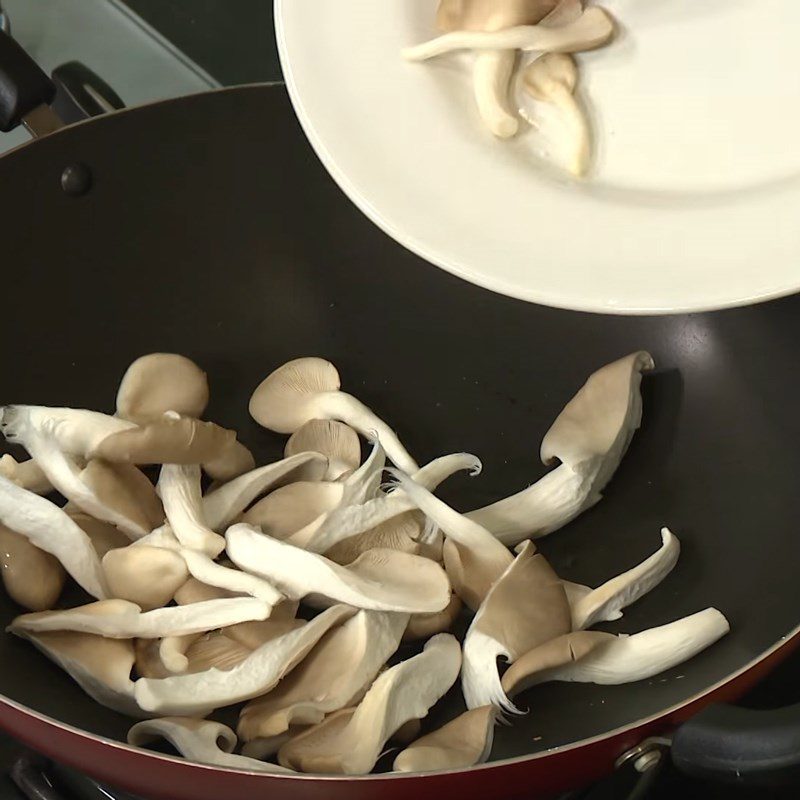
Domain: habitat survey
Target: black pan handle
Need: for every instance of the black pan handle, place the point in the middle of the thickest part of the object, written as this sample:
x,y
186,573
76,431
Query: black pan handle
x,y
82,93
24,87
738,745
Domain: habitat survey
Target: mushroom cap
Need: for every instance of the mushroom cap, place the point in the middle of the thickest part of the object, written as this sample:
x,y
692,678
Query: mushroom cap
x,y
278,401
557,652
290,508
215,650
147,576
549,74
461,743
33,579
194,591
608,406
333,439
166,441
161,382
125,489
232,462
491,15
471,576
527,606
399,533
423,626
253,634
27,474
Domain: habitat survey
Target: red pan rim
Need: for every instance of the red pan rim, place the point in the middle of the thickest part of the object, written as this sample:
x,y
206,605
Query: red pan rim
x,y
790,639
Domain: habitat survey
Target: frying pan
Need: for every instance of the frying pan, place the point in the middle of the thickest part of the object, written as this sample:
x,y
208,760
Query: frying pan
x,y
206,226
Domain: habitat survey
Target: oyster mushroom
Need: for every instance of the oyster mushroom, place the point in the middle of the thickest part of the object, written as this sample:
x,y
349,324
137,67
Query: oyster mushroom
x,y
336,441
464,742
123,497
493,69
161,382
224,505
234,460
423,626
351,741
553,79
119,619
27,474
399,533
101,667
146,576
47,527
204,569
194,591
590,437
476,558
103,535
592,29
202,692
332,676
198,740
267,747
381,580
214,650
594,657
179,489
607,601
309,388
525,607
33,579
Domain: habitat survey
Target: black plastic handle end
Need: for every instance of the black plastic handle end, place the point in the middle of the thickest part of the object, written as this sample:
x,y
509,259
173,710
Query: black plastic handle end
x,y
737,745
23,85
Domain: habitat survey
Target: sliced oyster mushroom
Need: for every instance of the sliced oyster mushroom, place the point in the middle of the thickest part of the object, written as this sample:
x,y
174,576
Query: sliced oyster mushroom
x,y
332,676
202,692
336,441
423,626
146,576
198,740
590,437
47,527
464,742
526,607
33,579
594,657
351,741
210,573
309,388
103,535
119,619
161,382
381,580
27,474
100,666
399,533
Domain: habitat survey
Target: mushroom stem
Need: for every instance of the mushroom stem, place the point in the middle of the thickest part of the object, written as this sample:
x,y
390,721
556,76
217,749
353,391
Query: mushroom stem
x,y
593,28
491,74
179,489
581,155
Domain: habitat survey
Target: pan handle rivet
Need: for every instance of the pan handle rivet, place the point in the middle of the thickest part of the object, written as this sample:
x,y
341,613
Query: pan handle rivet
x,y
76,180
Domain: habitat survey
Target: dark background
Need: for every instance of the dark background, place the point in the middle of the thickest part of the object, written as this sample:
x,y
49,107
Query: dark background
x,y
231,39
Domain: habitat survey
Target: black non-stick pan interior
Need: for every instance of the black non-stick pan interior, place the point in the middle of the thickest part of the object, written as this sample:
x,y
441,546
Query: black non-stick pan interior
x,y
212,230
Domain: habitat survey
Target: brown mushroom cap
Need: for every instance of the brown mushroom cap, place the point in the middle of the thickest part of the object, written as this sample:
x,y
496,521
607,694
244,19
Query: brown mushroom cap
x,y
167,441
529,667
461,743
104,536
234,461
277,403
527,606
423,626
491,15
127,490
399,533
147,576
161,382
33,579
333,439
290,508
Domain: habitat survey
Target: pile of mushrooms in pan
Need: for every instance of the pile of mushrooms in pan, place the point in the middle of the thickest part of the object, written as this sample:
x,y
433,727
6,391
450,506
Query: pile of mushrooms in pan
x,y
194,594
497,32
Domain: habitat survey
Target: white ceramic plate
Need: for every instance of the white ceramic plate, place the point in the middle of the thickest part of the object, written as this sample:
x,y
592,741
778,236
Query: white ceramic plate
x,y
694,200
